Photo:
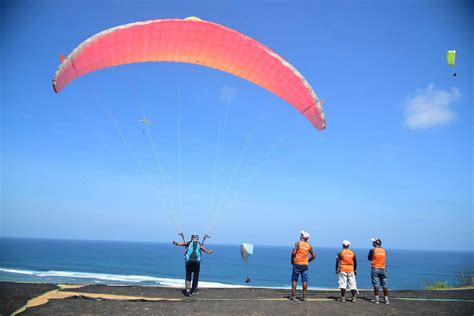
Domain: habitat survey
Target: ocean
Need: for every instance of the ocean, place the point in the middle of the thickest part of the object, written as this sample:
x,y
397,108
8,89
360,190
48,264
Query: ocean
x,y
147,263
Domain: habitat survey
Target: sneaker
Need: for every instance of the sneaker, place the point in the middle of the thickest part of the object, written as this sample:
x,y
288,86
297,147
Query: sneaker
x,y
375,301
303,299
387,302
187,293
353,300
196,292
292,298
342,299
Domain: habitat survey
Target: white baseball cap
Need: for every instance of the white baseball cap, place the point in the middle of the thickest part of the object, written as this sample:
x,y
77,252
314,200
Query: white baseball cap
x,y
377,241
305,234
346,242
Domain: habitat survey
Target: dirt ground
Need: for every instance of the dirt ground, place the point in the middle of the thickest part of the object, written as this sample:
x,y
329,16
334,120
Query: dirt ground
x,y
143,300
15,295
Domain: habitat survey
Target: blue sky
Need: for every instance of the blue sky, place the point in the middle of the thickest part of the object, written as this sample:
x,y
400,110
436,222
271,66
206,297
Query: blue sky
x,y
395,160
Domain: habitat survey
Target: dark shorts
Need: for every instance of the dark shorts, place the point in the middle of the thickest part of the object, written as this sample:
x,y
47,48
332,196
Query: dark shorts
x,y
297,270
379,277
192,267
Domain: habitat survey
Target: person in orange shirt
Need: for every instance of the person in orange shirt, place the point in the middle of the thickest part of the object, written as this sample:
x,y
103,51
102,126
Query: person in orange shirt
x,y
300,260
346,267
377,256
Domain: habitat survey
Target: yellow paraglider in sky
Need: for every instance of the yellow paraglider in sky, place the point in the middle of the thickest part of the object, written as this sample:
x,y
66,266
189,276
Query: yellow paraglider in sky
x,y
451,59
145,121
193,18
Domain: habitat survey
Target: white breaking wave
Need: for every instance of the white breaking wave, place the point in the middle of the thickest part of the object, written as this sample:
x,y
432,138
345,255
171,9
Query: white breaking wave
x,y
118,278
17,271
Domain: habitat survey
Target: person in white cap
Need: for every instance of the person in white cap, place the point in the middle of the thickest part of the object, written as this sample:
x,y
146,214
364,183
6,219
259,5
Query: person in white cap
x,y
346,269
378,272
300,260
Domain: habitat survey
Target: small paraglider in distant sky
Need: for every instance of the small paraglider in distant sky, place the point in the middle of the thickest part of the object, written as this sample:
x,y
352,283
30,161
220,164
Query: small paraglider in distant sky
x,y
193,18
451,59
246,250
145,121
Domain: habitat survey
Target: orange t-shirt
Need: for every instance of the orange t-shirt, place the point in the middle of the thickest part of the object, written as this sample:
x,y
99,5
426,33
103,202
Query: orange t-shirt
x,y
378,258
302,254
346,260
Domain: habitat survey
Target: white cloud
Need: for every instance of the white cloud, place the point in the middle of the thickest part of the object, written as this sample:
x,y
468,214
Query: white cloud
x,y
430,107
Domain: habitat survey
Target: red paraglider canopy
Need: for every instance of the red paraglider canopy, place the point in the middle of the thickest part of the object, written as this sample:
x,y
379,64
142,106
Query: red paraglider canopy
x,y
198,42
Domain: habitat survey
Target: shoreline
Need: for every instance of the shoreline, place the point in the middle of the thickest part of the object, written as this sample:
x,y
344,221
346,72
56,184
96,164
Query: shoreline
x,y
90,278
47,298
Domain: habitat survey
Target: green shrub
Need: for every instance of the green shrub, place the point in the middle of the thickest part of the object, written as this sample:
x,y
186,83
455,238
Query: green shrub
x,y
438,285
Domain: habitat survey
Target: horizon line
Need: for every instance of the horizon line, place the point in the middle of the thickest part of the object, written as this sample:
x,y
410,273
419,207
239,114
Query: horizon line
x,y
220,244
